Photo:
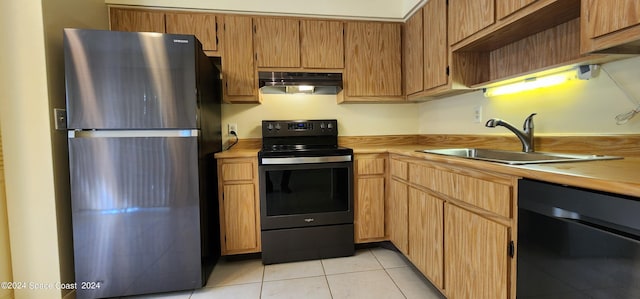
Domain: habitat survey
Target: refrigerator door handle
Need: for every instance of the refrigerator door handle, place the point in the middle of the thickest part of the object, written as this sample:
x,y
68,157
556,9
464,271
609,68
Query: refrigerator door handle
x,y
131,133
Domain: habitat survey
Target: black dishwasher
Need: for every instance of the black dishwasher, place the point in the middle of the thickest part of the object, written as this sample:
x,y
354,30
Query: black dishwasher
x,y
577,243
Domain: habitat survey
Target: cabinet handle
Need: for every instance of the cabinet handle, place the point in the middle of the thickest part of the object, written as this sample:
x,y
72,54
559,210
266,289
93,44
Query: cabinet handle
x,y
511,248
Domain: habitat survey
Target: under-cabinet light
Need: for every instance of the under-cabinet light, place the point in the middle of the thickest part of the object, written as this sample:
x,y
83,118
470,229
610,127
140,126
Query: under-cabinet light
x,y
582,72
306,89
530,83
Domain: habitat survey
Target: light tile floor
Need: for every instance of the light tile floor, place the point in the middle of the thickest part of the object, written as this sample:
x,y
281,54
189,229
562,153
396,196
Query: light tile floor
x,y
370,273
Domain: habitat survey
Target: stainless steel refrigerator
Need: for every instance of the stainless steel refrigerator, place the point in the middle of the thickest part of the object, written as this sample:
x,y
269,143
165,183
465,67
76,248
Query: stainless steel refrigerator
x,y
143,118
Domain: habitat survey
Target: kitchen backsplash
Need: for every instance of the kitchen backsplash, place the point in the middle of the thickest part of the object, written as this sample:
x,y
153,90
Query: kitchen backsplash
x,y
575,108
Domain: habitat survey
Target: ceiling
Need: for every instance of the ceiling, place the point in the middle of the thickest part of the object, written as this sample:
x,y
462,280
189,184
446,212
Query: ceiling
x,y
389,10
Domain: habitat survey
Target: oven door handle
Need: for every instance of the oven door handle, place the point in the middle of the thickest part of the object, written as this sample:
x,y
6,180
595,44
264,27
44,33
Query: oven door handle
x,y
305,160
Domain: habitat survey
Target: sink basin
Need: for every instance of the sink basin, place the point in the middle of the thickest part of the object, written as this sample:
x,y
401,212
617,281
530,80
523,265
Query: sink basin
x,y
511,157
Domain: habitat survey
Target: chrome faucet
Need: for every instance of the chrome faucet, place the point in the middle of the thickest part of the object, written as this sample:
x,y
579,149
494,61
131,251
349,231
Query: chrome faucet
x,y
525,137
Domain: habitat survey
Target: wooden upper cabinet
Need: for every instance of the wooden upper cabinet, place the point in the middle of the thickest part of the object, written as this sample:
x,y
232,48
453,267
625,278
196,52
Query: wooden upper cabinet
x,y
136,20
476,257
322,44
413,53
611,26
277,42
436,50
373,64
238,70
505,8
467,17
426,52
203,26
606,16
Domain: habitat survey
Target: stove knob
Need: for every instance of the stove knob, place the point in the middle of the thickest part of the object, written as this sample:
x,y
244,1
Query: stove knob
x,y
277,126
269,127
329,126
322,126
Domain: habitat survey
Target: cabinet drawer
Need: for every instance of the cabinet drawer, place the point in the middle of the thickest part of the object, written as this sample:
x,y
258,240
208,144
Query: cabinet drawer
x,y
368,166
483,190
431,178
237,171
399,169
491,196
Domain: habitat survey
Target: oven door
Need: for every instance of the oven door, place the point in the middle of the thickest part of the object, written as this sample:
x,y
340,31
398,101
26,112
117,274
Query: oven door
x,y
297,192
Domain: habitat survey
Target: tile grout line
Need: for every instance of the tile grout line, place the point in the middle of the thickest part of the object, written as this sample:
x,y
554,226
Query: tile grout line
x,y
264,269
326,279
389,275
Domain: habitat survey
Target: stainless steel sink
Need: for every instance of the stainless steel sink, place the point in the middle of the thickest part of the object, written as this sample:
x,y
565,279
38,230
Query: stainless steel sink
x,y
511,157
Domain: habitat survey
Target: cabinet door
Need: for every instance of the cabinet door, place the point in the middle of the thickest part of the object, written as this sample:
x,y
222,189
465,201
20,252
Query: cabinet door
x,y
369,208
504,8
277,42
398,215
239,219
373,62
238,69
436,50
203,26
476,259
606,16
413,53
426,234
122,19
322,44
467,17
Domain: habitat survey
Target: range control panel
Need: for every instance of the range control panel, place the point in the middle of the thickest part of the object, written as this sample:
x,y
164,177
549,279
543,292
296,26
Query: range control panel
x,y
290,128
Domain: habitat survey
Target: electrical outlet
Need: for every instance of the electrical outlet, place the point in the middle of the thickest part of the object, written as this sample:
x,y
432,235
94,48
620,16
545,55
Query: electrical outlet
x,y
477,114
232,127
60,116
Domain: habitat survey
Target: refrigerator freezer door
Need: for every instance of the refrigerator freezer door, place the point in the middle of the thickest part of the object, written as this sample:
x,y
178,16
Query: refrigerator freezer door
x,y
130,80
136,216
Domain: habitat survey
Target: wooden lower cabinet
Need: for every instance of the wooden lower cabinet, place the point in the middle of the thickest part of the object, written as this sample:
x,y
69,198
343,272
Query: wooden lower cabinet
x,y
426,232
239,217
369,209
369,201
476,257
398,215
455,225
239,205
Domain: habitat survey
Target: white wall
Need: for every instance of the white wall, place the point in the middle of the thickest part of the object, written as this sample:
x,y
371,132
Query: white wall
x,y
353,119
24,113
5,249
30,80
368,9
59,14
575,107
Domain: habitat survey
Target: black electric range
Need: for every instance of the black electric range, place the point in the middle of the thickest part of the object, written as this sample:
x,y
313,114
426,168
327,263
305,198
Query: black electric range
x,y
306,191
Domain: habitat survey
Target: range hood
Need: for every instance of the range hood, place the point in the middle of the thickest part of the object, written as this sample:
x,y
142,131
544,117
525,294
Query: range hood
x,y
300,82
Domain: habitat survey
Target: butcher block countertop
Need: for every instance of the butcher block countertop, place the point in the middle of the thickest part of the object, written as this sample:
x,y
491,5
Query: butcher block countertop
x,y
615,176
